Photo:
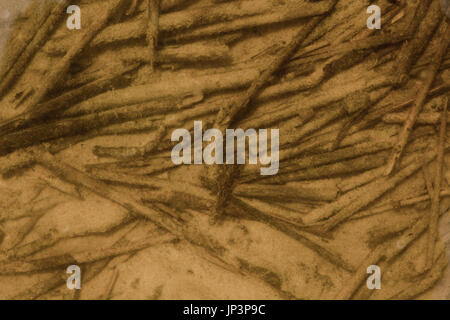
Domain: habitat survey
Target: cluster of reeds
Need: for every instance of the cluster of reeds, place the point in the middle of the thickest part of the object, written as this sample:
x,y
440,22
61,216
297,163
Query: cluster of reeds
x,y
344,144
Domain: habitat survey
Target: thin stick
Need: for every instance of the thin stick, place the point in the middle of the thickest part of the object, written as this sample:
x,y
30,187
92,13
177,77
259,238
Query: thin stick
x,y
427,282
426,20
283,13
428,183
435,204
53,283
79,125
415,110
373,258
424,118
206,247
153,8
219,18
388,252
285,193
342,167
63,66
359,39
223,82
29,209
63,101
325,158
21,266
38,40
228,114
393,205
134,205
379,112
111,285
360,42
353,201
19,42
347,95
132,8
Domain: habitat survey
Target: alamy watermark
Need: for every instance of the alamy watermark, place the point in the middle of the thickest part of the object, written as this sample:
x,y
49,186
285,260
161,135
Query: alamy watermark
x,y
213,153
74,20
374,20
74,281
374,281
